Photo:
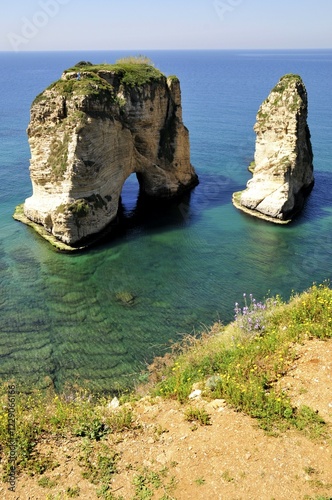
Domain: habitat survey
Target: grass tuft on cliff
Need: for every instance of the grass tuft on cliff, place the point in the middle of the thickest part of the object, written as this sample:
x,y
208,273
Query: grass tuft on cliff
x,y
41,415
243,362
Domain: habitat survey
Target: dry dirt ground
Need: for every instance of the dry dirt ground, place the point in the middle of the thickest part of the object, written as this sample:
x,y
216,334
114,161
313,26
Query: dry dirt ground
x,y
230,459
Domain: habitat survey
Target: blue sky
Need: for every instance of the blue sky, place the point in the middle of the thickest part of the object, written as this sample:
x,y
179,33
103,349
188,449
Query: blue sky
x,y
169,24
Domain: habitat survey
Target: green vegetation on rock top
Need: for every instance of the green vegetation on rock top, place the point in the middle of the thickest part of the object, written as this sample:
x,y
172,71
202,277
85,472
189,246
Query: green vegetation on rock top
x,y
173,78
132,71
292,100
285,81
291,76
91,84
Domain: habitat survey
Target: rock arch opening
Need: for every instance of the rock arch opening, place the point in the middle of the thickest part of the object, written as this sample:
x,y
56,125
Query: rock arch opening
x,y
129,194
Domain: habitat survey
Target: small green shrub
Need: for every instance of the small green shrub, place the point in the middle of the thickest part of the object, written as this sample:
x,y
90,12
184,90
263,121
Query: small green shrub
x,y
173,78
120,420
98,463
83,63
73,492
195,414
46,482
80,208
147,481
227,477
93,430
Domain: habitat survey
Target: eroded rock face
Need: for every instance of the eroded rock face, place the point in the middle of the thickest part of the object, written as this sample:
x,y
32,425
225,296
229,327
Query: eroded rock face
x,y
283,169
92,129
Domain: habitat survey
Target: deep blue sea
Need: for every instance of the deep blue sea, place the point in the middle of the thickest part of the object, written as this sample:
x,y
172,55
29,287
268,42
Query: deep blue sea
x,y
61,323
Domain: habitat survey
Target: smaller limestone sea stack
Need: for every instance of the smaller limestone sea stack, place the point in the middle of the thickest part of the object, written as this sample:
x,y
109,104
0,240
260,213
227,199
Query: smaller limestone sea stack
x,y
90,131
283,169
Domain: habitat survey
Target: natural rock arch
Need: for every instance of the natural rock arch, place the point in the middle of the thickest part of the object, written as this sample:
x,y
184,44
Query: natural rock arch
x,y
90,131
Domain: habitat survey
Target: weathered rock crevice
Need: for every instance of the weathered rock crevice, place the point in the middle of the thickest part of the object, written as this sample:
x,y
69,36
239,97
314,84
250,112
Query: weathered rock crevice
x,y
283,169
89,132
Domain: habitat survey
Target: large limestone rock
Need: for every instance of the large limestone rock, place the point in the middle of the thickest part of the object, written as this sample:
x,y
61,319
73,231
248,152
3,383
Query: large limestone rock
x,y
92,129
283,170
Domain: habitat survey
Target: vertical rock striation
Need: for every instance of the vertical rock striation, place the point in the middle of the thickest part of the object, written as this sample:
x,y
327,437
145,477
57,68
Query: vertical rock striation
x,y
93,128
283,169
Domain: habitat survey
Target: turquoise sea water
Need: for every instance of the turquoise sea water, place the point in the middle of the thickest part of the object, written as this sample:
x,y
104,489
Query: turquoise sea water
x,y
186,264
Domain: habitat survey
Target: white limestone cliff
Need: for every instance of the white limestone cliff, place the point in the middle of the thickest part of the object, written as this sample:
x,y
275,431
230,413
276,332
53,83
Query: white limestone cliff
x,y
93,128
283,169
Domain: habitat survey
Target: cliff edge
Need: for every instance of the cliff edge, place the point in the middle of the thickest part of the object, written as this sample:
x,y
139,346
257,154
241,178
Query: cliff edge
x,y
92,129
283,169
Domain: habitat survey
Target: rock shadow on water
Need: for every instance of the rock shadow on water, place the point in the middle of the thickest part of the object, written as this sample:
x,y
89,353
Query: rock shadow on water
x,y
214,190
151,215
318,205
